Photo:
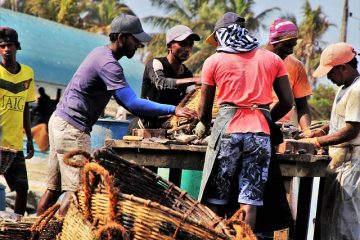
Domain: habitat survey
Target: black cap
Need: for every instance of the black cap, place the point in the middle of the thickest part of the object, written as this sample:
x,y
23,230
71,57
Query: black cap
x,y
226,20
9,35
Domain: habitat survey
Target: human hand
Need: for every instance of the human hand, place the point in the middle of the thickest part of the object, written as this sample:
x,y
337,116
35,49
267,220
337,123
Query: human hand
x,y
312,140
197,80
306,134
200,130
29,149
185,112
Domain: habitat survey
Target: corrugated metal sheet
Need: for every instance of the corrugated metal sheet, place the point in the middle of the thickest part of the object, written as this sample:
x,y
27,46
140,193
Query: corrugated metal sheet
x,y
55,51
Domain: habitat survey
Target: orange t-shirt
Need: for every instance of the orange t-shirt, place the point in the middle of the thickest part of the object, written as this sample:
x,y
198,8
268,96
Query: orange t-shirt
x,y
299,83
244,79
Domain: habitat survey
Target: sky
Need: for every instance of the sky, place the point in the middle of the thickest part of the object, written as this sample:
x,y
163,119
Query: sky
x,y
331,8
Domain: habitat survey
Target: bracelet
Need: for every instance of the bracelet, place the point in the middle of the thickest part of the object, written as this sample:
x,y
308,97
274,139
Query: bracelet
x,y
323,131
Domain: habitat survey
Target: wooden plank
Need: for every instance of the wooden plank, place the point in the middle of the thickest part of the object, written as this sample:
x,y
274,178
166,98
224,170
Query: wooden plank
x,y
146,144
163,159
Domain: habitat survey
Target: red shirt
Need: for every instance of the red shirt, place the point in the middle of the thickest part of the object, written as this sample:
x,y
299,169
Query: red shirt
x,y
244,79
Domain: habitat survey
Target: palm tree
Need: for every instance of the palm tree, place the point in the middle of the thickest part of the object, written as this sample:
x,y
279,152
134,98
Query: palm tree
x,y
97,16
311,29
90,15
196,15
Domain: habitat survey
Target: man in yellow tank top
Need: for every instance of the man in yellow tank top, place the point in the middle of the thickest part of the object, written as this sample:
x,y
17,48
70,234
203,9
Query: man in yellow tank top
x,y
17,89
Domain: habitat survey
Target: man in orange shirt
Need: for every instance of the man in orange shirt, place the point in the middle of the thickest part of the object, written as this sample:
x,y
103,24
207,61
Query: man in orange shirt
x,y
282,40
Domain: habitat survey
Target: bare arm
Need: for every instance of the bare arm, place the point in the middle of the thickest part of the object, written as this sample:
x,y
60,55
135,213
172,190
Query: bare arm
x,y
282,89
180,82
344,134
206,104
303,112
27,127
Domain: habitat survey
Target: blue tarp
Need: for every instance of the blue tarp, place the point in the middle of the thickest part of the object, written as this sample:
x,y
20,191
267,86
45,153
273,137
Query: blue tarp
x,y
55,51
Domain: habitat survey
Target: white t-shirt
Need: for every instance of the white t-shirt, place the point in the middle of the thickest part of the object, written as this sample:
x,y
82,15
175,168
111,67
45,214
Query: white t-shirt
x,y
346,108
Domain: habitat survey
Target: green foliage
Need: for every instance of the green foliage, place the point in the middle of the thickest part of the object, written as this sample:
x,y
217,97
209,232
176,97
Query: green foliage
x,y
97,15
200,16
321,102
312,27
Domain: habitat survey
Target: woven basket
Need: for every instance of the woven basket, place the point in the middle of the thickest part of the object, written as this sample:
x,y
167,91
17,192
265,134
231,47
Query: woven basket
x,y
191,100
75,225
139,181
43,228
7,156
143,219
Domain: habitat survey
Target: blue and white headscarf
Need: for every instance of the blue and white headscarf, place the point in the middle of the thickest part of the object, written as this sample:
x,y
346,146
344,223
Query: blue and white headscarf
x,y
235,39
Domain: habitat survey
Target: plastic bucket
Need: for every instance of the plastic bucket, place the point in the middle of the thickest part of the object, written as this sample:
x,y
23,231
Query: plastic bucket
x,y
107,129
190,182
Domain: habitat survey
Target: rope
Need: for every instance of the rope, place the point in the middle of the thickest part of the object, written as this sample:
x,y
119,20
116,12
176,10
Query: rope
x,y
42,221
89,187
111,231
77,164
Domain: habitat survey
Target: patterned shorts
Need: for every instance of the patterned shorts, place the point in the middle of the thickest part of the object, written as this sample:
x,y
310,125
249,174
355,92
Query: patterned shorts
x,y
242,162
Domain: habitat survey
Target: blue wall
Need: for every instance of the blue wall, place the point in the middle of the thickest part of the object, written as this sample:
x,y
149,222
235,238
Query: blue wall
x,y
55,51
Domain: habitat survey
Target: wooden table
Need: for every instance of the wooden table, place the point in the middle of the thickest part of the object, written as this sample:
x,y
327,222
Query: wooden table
x,y
178,157
192,157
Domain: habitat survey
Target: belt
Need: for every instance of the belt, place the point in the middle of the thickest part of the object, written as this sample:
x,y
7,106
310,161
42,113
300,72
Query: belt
x,y
252,107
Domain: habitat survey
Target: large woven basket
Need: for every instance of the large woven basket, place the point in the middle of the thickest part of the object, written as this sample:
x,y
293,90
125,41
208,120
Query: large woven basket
x,y
139,181
191,100
143,219
7,156
45,227
75,225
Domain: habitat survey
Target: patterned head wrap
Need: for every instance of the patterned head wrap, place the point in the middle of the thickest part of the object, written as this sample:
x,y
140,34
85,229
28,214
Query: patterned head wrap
x,y
235,39
282,30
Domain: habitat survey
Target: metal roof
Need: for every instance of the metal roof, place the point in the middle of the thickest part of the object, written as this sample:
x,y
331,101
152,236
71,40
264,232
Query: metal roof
x,y
55,51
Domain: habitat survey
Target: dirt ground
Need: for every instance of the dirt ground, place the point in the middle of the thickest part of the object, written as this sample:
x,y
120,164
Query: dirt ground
x,y
37,174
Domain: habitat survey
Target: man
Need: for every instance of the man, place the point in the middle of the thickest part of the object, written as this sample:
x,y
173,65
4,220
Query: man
x,y
167,78
239,150
44,107
98,78
341,197
282,40
283,37
17,89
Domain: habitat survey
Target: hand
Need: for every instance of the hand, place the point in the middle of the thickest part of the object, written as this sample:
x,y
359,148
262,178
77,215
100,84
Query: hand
x,y
29,149
307,134
185,112
200,130
313,141
197,80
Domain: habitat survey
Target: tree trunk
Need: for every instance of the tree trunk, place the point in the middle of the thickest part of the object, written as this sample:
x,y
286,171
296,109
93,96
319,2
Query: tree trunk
x,y
344,21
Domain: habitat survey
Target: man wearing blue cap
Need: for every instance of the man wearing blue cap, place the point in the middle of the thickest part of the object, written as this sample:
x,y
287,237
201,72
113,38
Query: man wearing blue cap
x,y
99,77
166,79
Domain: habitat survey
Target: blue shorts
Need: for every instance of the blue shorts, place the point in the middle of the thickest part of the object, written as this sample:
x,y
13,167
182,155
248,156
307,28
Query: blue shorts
x,y
243,160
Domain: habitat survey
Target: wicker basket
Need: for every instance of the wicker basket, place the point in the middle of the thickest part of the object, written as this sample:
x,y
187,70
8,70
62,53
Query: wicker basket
x,y
46,227
75,226
139,181
191,100
143,219
7,156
